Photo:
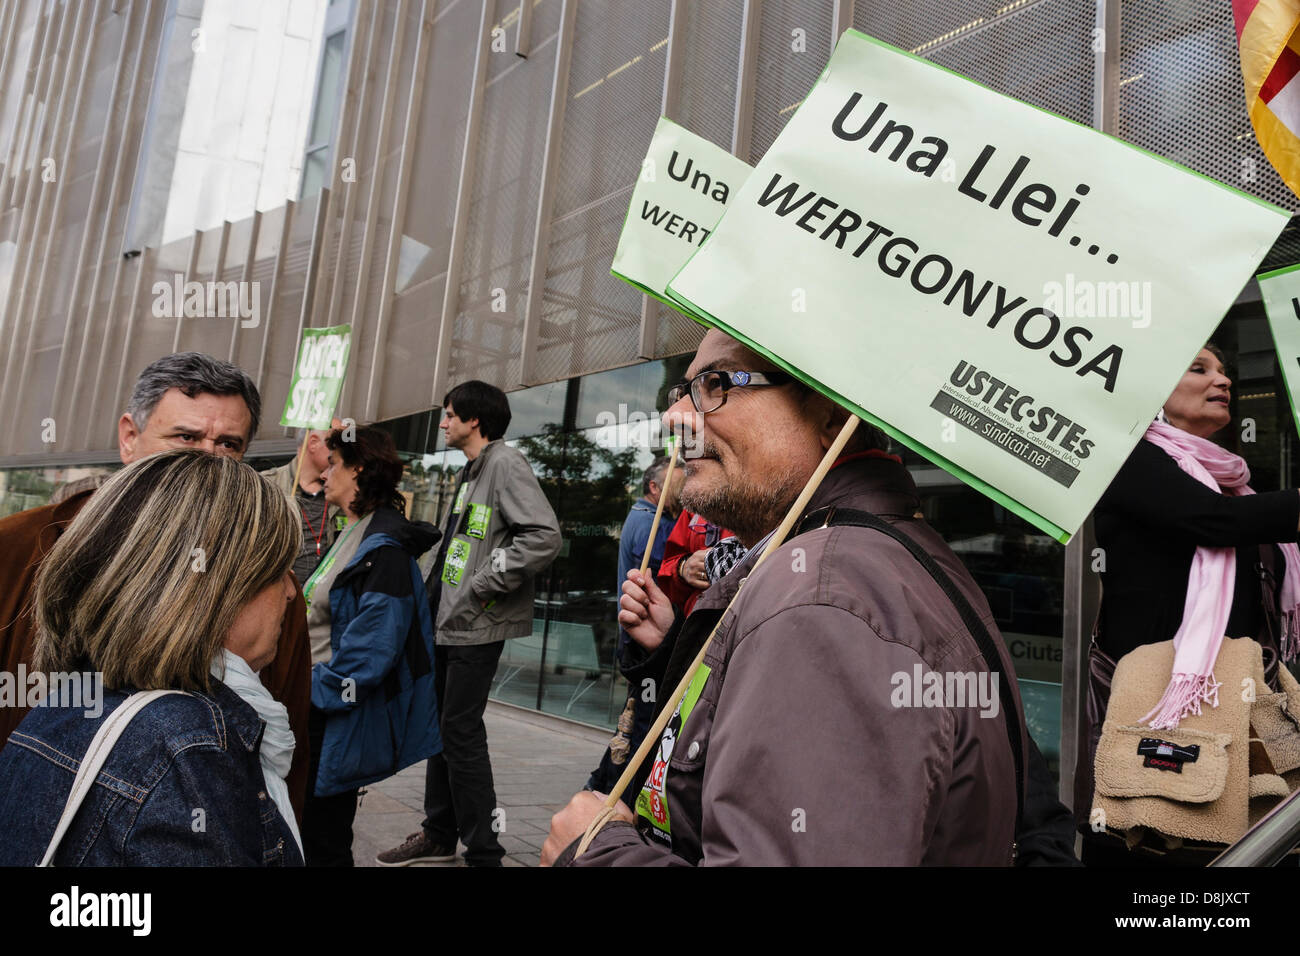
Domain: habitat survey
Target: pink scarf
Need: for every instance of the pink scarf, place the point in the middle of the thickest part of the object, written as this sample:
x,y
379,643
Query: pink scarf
x,y
1210,584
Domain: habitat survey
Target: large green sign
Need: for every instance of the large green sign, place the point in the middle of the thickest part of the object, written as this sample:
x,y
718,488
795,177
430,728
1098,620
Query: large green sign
x,y
1009,293
317,377
1280,290
684,186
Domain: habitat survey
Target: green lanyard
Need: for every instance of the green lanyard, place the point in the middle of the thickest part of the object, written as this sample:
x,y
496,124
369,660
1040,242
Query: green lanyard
x,y
323,568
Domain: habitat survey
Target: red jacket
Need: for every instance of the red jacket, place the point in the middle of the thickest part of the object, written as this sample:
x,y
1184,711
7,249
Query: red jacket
x,y
688,536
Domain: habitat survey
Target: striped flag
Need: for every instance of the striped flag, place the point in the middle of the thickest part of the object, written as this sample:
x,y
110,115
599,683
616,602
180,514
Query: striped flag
x,y
1270,61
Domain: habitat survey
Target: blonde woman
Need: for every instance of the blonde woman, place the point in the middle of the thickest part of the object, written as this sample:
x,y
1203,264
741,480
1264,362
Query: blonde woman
x,y
174,576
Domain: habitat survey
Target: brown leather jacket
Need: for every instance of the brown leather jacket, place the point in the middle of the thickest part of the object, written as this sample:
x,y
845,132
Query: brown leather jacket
x,y
797,751
27,536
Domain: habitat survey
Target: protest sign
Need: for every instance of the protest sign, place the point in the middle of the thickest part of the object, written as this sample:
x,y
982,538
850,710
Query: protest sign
x,y
1007,292
1280,290
317,377
684,186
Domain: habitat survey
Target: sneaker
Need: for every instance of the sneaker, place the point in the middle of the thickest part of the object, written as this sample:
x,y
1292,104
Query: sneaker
x,y
418,848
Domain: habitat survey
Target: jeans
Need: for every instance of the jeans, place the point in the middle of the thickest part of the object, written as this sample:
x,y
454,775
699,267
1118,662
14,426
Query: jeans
x,y
326,821
459,797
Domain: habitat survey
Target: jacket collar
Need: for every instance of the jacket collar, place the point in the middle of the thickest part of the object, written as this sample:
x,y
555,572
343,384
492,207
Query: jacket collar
x,y
880,485
475,466
237,715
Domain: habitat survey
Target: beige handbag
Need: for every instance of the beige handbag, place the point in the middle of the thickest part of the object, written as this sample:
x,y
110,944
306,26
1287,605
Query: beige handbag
x,y
1207,781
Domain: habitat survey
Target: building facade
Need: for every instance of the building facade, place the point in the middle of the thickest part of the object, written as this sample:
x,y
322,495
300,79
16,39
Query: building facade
x,y
449,177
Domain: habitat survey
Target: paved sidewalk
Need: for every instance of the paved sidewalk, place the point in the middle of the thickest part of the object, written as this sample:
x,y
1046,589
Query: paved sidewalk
x,y
537,765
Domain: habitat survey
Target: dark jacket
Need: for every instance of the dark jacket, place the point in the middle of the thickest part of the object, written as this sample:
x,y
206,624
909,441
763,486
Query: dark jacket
x,y
1149,524
795,751
182,787
378,687
29,535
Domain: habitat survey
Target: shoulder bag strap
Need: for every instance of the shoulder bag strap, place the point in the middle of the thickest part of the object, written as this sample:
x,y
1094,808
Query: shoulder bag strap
x,y
101,745
987,646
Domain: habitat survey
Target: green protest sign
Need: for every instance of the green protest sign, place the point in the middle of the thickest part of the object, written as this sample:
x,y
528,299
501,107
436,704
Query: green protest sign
x,y
1007,292
317,377
1280,290
684,186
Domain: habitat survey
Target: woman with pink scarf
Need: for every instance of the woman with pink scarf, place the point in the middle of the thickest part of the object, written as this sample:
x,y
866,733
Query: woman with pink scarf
x,y
1192,554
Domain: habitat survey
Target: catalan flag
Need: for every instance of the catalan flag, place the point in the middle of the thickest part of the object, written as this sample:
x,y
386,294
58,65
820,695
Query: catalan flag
x,y
1270,64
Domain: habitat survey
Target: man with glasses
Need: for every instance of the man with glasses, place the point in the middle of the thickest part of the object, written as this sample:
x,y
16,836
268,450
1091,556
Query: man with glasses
x,y
793,744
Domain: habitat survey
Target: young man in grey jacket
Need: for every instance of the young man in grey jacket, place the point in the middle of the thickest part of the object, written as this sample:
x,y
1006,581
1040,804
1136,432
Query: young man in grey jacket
x,y
499,534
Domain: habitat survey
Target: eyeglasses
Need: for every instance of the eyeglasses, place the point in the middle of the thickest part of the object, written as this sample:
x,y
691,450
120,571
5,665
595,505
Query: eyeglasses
x,y
708,390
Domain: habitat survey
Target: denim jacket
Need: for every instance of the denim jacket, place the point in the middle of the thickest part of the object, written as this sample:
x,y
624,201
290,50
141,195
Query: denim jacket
x,y
182,787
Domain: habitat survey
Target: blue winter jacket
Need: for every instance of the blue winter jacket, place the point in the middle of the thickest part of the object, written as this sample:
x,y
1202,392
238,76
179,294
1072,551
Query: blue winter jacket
x,y
378,687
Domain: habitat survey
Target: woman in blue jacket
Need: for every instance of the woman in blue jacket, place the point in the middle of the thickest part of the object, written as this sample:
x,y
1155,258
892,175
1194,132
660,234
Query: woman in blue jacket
x,y
374,709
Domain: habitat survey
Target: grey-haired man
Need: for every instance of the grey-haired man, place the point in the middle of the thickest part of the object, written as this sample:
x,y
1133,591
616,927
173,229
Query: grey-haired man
x,y
184,400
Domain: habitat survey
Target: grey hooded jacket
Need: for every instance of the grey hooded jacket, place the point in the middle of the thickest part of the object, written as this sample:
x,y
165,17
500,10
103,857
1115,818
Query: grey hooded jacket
x,y
505,533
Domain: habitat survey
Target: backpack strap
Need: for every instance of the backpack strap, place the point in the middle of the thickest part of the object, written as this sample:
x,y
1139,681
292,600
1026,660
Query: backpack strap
x,y
988,648
101,745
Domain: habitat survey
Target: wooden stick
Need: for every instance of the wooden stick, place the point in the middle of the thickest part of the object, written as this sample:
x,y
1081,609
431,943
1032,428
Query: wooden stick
x,y
656,731
302,450
659,508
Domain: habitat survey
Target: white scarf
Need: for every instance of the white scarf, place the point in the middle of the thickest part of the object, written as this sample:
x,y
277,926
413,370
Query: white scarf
x,y
276,752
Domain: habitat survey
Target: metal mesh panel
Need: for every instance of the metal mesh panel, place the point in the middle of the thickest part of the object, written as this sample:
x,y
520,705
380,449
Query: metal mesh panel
x,y
34,405
58,267
104,346
372,108
589,318
1040,53
11,110
440,141
211,333
1181,94
794,43
282,330
408,364
615,89
921,26
676,333
364,329
502,216
710,58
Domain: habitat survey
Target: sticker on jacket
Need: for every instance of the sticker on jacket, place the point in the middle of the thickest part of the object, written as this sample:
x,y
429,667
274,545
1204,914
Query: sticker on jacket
x,y
460,500
477,522
453,569
652,801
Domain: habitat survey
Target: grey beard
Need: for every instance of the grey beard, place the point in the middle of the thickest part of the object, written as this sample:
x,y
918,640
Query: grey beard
x,y
746,510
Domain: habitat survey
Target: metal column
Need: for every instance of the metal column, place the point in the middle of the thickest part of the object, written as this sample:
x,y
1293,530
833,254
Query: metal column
x,y
546,196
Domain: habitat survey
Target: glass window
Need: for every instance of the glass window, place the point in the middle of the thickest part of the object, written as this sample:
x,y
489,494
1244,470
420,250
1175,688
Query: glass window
x,y
329,90
226,133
